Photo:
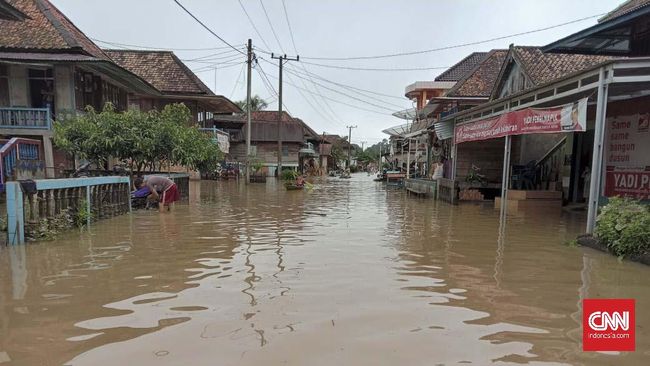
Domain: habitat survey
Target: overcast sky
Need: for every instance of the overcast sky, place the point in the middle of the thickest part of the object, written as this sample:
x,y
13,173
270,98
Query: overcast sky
x,y
333,28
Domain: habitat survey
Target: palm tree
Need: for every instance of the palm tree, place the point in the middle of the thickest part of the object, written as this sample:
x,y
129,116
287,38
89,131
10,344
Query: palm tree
x,y
257,104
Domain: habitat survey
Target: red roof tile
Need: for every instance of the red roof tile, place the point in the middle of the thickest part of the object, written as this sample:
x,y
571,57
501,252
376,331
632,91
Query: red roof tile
x,y
45,29
162,69
625,8
480,81
461,68
543,67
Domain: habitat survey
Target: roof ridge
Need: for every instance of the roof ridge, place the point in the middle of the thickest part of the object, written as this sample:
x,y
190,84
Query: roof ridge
x,y
459,63
52,14
476,67
140,51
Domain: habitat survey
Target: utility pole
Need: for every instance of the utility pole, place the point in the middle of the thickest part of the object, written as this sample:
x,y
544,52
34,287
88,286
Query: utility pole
x,y
249,60
281,60
363,144
350,143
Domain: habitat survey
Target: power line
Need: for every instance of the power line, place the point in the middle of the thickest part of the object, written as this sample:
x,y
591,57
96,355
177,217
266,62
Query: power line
x,y
356,98
213,56
252,23
271,25
375,69
217,60
455,46
340,102
349,87
241,72
217,66
158,48
207,28
250,20
328,108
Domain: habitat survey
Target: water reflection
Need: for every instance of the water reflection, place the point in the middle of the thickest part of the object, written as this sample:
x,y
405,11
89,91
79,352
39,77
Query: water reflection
x,y
348,273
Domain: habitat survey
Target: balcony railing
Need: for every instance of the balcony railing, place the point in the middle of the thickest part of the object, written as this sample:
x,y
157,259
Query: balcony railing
x,y
25,118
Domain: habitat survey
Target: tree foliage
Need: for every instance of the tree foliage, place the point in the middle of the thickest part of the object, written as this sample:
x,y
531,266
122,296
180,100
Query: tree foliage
x,y
142,139
257,104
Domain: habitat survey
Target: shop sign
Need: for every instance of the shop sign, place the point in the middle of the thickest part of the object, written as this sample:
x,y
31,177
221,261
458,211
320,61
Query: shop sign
x,y
627,156
565,118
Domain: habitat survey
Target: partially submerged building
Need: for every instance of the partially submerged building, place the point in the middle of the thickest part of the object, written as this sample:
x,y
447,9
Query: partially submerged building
x,y
571,117
298,139
49,69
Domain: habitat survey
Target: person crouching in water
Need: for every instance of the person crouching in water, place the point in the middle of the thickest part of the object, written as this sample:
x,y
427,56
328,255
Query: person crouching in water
x,y
167,188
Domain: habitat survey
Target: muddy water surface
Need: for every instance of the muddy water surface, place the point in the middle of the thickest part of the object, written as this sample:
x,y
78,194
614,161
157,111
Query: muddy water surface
x,y
347,274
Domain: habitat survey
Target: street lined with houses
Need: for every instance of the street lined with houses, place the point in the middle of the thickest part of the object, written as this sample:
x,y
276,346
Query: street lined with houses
x,y
185,205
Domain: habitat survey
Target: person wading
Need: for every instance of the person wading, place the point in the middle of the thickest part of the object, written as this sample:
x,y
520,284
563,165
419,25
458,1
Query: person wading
x,y
160,186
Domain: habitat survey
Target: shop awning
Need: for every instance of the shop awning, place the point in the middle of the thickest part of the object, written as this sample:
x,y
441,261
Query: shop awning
x,y
620,36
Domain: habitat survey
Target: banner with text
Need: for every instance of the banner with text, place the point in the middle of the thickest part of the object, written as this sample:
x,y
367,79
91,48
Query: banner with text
x,y
627,156
565,118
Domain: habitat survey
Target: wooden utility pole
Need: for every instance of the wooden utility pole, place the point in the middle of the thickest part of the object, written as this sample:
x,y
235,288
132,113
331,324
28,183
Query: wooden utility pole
x,y
350,143
249,60
281,60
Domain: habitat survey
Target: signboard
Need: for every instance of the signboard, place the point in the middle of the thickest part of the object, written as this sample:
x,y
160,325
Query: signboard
x,y
627,156
565,118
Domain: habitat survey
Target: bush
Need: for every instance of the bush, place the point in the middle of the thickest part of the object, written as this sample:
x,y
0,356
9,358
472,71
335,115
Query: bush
x,y
289,175
624,225
354,168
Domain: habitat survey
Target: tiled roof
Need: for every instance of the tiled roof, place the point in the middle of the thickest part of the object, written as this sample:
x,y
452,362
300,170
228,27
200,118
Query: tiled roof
x,y
461,68
162,69
543,67
271,116
480,81
625,8
44,29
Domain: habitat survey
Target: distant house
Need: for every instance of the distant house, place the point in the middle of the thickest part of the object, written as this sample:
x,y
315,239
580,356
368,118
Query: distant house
x,y
175,82
296,136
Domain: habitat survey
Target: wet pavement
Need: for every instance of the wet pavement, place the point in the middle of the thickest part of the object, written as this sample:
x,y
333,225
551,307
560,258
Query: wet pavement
x,y
349,273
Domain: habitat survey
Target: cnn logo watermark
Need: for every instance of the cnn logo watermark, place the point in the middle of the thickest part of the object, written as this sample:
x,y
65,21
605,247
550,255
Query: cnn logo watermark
x,y
608,325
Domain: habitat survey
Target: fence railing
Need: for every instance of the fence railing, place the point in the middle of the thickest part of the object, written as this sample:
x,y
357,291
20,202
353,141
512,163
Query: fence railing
x,y
44,200
12,152
25,118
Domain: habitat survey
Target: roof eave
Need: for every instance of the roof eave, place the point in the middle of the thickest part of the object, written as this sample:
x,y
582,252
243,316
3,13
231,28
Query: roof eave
x,y
556,46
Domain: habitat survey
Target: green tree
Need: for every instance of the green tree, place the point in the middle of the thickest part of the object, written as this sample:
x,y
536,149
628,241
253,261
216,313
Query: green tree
x,y
142,139
257,104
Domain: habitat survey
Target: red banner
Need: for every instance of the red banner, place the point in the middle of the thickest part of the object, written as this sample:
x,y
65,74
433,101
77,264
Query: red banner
x,y
565,118
627,183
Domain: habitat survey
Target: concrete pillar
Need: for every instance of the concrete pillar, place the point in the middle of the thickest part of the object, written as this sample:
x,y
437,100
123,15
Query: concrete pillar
x,y
64,99
48,151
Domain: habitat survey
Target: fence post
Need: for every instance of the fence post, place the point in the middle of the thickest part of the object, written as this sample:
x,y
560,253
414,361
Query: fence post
x,y
88,211
15,214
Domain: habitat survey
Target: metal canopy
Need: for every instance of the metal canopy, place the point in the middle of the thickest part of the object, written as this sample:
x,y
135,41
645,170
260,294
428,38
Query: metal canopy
x,y
616,37
626,78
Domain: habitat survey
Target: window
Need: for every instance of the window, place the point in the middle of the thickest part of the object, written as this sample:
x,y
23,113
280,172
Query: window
x,y
4,86
285,150
41,88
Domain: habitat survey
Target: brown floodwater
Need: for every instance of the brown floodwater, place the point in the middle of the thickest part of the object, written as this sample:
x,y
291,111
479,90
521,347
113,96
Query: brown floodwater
x,y
349,273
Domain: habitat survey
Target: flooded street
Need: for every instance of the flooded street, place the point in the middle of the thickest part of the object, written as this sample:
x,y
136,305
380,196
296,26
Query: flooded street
x,y
349,273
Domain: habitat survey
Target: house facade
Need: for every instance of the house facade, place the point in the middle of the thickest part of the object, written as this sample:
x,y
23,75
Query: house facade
x,y
174,81
49,69
602,153
299,141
